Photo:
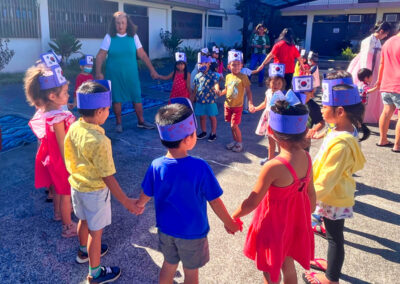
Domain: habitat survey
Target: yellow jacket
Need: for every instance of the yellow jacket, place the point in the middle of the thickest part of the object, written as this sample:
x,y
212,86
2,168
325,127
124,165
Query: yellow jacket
x,y
334,168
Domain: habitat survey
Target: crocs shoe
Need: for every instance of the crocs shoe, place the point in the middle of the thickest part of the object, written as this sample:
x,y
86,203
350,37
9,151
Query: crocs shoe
x,y
108,274
70,230
237,148
231,145
145,125
83,257
118,128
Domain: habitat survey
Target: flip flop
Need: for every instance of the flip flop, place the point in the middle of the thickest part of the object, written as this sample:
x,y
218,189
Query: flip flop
x,y
314,279
388,144
318,265
395,151
319,230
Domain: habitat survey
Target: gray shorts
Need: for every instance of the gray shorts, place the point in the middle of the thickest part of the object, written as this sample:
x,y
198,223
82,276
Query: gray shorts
x,y
391,99
193,253
94,207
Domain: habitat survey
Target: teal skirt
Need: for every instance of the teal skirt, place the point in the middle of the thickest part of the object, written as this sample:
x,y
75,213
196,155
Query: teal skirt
x,y
206,109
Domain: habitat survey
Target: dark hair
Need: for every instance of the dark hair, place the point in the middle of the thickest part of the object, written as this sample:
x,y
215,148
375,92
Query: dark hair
x,y
184,70
130,29
169,115
381,26
269,79
87,88
34,95
287,35
282,107
363,73
355,113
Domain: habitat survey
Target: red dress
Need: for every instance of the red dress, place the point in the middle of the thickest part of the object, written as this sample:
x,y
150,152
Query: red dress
x,y
281,226
49,164
179,87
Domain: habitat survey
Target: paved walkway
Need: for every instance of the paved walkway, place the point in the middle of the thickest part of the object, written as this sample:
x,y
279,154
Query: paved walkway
x,y
32,250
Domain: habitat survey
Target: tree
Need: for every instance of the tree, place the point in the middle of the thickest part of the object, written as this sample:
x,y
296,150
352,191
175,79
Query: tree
x,y
65,45
253,12
6,54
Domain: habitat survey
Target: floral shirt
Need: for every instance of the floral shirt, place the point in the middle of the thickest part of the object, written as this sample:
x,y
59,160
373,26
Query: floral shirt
x,y
204,85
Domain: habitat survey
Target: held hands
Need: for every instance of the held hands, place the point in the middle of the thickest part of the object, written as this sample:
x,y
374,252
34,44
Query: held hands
x,y
234,226
132,206
252,109
154,75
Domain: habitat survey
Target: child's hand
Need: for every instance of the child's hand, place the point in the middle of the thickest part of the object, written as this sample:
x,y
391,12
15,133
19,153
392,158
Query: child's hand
x,y
252,109
234,226
131,206
71,106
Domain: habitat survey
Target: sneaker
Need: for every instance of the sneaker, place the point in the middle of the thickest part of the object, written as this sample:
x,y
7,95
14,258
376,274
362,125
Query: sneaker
x,y
212,137
145,125
237,148
70,230
108,274
231,145
118,128
83,257
263,161
202,135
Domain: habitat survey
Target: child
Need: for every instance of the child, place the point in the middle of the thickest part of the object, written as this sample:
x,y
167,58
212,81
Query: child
x,y
338,159
86,65
280,231
204,52
304,69
217,65
236,84
276,85
248,72
47,89
181,195
88,157
314,70
180,77
205,93
364,75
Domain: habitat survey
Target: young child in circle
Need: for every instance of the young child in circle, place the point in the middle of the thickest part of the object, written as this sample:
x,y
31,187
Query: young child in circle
x,y
314,70
216,61
205,94
304,69
236,84
47,89
180,77
280,231
364,76
86,65
276,85
88,157
181,195
339,157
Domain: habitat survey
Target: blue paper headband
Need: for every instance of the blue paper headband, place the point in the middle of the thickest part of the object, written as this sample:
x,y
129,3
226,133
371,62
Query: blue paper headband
x,y
52,78
335,98
182,129
276,69
203,58
87,60
302,83
96,100
288,124
50,59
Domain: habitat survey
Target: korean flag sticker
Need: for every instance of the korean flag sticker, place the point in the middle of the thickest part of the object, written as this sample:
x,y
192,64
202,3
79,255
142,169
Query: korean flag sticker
x,y
49,59
303,84
325,92
60,76
89,60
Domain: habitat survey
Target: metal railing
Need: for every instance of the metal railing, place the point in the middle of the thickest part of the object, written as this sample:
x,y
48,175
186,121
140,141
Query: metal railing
x,y
214,4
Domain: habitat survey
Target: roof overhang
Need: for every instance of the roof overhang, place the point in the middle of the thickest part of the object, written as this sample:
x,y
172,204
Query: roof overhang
x,y
280,4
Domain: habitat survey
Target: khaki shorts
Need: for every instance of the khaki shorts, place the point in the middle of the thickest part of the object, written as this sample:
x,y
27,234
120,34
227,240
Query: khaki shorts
x,y
93,207
193,253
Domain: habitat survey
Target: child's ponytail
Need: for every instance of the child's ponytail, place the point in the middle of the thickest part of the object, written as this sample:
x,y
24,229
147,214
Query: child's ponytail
x,y
355,113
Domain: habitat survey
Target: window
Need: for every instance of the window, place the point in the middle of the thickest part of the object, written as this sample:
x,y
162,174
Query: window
x,y
391,18
354,18
215,21
135,10
82,18
187,25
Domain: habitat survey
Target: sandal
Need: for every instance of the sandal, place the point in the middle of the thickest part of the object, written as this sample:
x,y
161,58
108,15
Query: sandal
x,y
57,216
388,144
314,280
318,265
319,230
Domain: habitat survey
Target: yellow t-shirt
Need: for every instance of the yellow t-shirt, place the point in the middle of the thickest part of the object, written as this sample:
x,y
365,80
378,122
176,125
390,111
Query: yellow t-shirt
x,y
88,156
235,85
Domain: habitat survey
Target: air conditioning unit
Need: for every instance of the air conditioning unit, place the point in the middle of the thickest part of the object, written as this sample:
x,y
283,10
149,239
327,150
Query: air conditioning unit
x,y
354,18
391,18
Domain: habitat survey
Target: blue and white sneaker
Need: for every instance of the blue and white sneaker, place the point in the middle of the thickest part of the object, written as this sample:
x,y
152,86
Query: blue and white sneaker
x,y
83,257
108,274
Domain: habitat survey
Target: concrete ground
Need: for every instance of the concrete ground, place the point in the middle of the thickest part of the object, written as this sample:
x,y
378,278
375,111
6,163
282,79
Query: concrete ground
x,y
32,250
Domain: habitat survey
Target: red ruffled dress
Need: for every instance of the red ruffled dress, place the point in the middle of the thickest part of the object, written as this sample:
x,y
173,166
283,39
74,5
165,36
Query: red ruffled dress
x,y
49,164
281,226
179,87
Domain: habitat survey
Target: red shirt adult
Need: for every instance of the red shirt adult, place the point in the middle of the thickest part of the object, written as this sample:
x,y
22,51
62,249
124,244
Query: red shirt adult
x,y
286,54
390,61
80,79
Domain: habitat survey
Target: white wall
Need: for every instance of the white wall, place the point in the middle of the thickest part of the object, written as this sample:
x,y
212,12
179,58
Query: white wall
x,y
26,53
158,19
229,34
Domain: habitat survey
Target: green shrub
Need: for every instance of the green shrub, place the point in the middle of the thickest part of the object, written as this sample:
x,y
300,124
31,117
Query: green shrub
x,y
65,45
6,54
191,54
348,54
171,41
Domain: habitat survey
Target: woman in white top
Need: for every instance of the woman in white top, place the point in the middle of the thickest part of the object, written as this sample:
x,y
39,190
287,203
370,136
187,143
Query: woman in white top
x,y
119,48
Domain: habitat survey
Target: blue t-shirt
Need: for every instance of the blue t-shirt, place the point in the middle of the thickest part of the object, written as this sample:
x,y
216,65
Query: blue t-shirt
x,y
204,86
181,189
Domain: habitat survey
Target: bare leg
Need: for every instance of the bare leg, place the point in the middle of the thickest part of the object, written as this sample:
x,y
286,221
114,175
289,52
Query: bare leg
x,y
237,135
267,279
167,273
191,276
56,204
289,271
397,137
94,247
117,111
65,207
271,148
384,121
139,112
203,123
83,232
213,120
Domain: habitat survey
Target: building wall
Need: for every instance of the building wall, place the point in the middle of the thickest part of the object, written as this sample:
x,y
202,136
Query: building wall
x,y
26,53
